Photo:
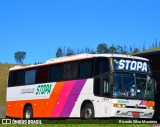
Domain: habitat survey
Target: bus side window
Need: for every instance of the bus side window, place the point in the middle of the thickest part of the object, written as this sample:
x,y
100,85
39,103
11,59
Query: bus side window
x,y
101,66
85,69
97,88
56,73
70,70
102,86
42,74
30,76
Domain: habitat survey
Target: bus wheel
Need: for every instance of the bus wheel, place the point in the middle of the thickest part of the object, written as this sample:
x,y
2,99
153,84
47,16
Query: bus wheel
x,y
87,111
28,112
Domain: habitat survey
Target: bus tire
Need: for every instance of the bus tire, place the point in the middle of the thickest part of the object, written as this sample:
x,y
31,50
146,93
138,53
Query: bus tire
x,y
28,112
87,111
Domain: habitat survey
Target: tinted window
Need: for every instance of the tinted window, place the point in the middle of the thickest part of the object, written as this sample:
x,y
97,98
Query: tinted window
x,y
17,78
42,74
97,87
30,76
70,70
101,66
102,86
56,73
85,69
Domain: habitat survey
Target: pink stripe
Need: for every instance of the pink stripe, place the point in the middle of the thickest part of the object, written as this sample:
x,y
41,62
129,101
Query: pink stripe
x,y
143,103
62,98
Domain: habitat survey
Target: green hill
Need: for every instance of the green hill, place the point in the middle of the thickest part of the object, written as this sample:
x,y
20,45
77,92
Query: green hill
x,y
3,82
149,50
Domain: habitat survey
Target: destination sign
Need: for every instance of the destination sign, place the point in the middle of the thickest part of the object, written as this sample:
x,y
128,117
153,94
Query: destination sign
x,y
131,65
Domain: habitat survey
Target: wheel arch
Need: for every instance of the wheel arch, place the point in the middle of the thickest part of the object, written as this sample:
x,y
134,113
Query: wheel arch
x,y
26,105
85,102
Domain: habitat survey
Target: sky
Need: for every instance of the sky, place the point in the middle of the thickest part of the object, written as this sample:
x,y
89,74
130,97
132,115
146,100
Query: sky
x,y
39,27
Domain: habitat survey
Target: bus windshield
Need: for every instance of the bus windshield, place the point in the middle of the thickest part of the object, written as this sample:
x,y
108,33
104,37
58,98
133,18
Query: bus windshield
x,y
133,85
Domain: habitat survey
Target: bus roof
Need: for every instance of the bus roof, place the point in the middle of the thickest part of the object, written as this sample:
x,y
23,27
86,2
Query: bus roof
x,y
75,57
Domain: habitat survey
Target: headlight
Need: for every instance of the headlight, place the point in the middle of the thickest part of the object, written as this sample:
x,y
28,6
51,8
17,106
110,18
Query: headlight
x,y
150,107
119,105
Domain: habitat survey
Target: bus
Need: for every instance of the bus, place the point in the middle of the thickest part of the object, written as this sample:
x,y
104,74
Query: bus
x,y
82,86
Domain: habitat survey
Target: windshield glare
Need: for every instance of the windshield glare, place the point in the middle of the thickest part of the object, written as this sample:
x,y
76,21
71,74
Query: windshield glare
x,y
131,85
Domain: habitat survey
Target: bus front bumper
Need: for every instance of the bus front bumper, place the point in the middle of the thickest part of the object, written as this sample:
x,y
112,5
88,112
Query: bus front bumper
x,y
132,113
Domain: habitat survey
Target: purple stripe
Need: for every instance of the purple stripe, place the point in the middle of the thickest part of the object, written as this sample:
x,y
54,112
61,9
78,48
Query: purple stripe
x,y
67,109
141,103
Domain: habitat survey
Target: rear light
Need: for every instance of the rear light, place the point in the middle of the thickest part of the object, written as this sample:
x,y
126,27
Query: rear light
x,y
119,105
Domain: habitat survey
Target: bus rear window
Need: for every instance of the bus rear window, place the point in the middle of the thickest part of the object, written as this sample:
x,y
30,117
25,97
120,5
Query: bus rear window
x,y
17,78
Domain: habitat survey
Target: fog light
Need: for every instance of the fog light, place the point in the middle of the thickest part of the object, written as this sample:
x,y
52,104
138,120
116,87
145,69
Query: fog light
x,y
150,107
118,111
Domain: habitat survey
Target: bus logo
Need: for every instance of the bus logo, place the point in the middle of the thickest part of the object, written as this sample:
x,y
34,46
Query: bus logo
x,y
131,65
43,89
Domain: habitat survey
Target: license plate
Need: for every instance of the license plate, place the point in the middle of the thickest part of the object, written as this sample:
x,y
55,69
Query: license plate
x,y
135,113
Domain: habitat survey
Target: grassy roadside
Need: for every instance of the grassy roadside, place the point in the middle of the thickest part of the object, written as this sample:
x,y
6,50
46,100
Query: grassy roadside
x,y
3,82
82,125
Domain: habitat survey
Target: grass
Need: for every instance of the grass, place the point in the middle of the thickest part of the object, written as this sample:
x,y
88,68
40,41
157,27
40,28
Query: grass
x,y
81,125
3,82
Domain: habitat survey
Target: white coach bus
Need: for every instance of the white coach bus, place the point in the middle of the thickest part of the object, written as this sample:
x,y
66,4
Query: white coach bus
x,y
85,85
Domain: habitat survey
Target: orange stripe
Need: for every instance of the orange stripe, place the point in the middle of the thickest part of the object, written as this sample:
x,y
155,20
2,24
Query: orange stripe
x,y
54,97
149,103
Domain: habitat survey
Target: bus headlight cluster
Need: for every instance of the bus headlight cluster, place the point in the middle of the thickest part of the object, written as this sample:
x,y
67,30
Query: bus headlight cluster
x,y
119,105
150,107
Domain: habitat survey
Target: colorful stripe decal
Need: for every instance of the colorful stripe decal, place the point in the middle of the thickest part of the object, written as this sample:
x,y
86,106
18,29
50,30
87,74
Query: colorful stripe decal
x,y
142,103
62,98
67,98
60,103
147,103
74,94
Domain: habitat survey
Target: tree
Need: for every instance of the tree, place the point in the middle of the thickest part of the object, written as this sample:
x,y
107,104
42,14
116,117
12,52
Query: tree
x,y
112,49
119,49
70,52
19,56
144,48
156,43
130,50
153,46
136,50
59,52
102,48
